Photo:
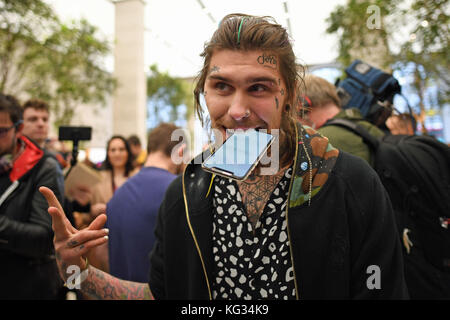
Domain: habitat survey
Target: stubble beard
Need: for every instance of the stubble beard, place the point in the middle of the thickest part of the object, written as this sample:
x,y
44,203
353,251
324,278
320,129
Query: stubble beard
x,y
9,150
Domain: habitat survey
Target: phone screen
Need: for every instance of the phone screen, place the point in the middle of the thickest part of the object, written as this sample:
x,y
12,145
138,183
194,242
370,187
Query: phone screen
x,y
239,154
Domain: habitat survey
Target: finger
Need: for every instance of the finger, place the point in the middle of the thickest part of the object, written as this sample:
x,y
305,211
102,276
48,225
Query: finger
x,y
58,225
98,222
84,236
51,198
53,202
92,244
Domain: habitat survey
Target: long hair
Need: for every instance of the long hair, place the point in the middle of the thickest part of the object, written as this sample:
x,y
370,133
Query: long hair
x,y
241,32
106,165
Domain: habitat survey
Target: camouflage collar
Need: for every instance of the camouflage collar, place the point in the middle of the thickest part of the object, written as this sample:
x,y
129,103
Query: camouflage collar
x,y
315,160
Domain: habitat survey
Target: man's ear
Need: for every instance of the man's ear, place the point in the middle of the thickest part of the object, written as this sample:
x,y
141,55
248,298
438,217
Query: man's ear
x,y
182,150
183,154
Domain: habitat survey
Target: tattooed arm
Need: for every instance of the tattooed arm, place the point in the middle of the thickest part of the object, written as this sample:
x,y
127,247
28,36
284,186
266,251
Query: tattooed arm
x,y
71,245
103,286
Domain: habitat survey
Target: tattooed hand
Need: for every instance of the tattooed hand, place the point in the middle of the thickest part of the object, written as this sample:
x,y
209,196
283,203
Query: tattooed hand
x,y
71,244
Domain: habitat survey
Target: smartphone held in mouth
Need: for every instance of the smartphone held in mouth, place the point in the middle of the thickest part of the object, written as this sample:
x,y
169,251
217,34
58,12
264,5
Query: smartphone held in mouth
x,y
239,154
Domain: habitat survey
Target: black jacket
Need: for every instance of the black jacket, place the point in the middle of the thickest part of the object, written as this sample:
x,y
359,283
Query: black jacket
x,y
27,263
348,228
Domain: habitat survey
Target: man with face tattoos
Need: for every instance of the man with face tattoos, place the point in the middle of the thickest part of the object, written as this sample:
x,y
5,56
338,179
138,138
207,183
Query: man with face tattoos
x,y
320,227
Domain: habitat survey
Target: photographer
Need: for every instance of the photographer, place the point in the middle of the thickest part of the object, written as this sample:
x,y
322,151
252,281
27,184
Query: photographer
x,y
413,169
320,104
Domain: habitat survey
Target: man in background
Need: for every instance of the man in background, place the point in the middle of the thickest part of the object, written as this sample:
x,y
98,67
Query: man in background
x,y
36,114
139,154
320,104
35,121
28,267
424,165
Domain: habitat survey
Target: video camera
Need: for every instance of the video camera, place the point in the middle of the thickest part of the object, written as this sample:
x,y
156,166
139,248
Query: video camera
x,y
370,90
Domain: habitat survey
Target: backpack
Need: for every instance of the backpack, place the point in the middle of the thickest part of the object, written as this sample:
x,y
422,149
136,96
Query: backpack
x,y
415,171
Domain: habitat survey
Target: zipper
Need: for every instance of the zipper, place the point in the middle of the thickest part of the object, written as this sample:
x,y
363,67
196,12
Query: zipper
x,y
287,213
8,191
5,196
194,237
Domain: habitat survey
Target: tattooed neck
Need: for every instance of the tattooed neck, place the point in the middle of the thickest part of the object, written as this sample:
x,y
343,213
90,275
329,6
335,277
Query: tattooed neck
x,y
256,191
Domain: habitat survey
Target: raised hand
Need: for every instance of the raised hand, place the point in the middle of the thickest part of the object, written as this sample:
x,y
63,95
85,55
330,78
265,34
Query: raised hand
x,y
71,244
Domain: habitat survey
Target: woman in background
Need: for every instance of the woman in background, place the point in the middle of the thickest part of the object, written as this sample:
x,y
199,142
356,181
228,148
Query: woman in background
x,y
115,170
